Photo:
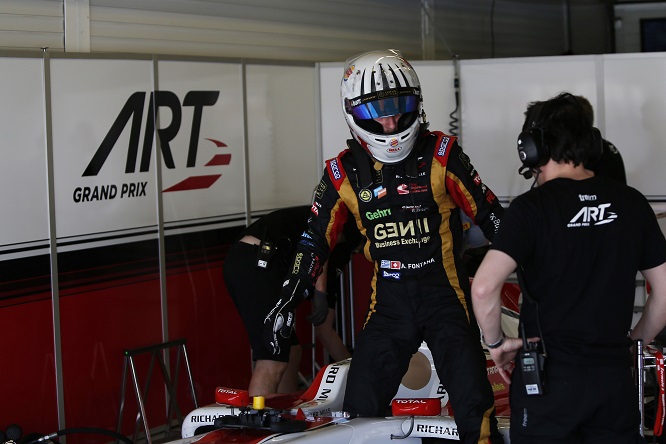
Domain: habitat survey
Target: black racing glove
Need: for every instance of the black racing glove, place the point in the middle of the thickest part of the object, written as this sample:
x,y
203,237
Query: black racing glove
x,y
299,286
279,322
319,311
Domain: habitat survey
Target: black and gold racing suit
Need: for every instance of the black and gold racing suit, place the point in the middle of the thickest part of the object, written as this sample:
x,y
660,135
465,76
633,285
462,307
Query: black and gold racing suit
x,y
410,214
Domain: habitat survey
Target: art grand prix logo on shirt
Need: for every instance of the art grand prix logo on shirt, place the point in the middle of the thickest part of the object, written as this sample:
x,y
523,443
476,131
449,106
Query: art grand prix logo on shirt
x,y
594,215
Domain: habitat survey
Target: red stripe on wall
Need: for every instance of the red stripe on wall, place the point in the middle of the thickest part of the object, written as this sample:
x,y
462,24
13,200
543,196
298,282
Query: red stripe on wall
x,y
194,183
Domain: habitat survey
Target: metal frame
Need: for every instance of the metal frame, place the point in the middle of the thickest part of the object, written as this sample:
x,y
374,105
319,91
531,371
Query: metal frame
x,y
158,352
644,363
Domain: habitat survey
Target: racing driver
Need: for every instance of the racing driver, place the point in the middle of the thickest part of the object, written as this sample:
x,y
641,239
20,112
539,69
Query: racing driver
x,y
406,187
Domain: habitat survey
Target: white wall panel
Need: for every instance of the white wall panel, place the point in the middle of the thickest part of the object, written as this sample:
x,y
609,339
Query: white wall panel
x,y
495,95
87,99
281,135
627,92
23,168
635,98
206,179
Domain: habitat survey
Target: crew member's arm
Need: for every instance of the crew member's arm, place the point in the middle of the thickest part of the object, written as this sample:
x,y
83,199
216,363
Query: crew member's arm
x,y
486,301
653,319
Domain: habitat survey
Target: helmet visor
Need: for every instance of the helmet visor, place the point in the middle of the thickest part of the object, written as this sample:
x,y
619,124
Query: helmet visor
x,y
385,107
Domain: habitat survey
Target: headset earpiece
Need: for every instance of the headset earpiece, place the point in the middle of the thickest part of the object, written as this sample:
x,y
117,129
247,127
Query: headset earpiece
x,y
531,148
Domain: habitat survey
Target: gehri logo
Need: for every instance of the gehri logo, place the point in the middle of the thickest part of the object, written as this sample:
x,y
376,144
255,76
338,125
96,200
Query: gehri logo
x,y
597,215
132,114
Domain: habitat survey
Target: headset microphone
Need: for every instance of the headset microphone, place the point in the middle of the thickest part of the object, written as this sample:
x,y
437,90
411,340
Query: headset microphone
x,y
526,172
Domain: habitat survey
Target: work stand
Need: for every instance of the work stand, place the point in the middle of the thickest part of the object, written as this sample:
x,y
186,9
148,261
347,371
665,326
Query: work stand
x,y
650,366
158,353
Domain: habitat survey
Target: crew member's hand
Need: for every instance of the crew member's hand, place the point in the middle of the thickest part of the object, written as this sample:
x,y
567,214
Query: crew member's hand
x,y
319,308
505,355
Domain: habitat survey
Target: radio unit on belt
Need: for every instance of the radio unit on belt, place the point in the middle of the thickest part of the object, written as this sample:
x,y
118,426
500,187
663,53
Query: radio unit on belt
x,y
532,357
531,360
264,253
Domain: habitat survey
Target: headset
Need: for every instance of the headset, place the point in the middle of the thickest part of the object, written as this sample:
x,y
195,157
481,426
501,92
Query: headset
x,y
533,151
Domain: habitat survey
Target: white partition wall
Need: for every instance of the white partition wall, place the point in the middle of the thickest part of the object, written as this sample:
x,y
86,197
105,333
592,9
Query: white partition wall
x,y
282,128
23,179
495,95
635,100
124,180
99,114
628,93
204,181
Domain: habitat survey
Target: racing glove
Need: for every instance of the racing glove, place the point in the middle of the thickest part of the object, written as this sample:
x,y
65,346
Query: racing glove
x,y
319,308
279,322
299,285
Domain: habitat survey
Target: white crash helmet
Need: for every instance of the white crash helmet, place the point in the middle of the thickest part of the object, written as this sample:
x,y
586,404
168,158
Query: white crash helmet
x,y
380,84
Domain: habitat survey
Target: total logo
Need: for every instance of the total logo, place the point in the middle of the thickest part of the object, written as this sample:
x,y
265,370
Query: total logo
x,y
132,115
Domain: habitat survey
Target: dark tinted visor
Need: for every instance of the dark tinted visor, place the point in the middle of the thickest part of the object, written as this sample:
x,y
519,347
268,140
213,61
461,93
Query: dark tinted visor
x,y
384,103
385,107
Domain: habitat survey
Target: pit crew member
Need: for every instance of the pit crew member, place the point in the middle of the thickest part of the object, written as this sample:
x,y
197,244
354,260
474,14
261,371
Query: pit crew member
x,y
578,241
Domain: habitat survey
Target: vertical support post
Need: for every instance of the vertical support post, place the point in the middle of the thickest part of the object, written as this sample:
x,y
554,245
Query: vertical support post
x,y
640,368
246,148
352,319
139,399
427,29
77,25
53,239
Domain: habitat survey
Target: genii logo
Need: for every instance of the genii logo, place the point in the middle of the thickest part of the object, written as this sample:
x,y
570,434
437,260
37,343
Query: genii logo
x,y
132,114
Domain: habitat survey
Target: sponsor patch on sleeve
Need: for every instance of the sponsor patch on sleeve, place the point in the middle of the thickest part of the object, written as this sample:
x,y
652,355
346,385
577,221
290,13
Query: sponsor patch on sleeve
x,y
443,147
336,172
